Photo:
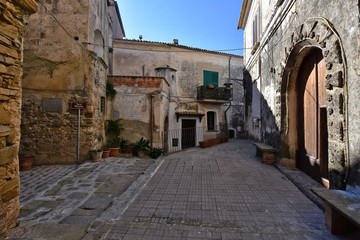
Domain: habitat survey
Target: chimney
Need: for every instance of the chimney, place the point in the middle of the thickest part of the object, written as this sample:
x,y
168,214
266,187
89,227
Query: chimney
x,y
176,41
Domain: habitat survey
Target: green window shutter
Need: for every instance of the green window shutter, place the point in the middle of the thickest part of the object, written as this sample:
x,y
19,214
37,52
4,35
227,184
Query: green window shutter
x,y
207,78
211,78
215,79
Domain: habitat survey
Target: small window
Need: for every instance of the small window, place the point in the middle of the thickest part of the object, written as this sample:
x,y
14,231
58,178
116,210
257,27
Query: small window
x,y
256,28
102,105
211,78
210,121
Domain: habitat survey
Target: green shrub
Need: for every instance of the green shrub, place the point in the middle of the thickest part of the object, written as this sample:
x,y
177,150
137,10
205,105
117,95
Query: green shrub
x,y
110,90
156,152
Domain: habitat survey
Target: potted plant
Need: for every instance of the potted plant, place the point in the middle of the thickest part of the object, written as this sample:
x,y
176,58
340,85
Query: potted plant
x,y
141,147
123,144
128,148
96,155
211,86
113,129
106,153
156,152
26,163
114,148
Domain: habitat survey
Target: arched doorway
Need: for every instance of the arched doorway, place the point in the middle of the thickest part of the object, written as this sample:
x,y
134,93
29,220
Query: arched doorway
x,y
312,134
316,45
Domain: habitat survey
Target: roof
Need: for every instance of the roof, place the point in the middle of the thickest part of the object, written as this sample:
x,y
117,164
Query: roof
x,y
176,46
245,8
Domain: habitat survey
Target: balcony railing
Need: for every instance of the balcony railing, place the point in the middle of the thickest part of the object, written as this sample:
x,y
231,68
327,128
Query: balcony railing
x,y
216,94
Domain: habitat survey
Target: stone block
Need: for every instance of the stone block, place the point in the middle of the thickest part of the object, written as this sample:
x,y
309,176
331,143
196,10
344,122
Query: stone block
x,y
12,194
7,154
8,30
336,223
269,157
9,185
9,52
334,79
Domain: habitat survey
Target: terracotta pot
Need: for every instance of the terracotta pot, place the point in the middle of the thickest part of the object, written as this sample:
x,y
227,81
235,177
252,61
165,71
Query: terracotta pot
x,y
114,152
128,149
26,163
141,154
96,156
106,154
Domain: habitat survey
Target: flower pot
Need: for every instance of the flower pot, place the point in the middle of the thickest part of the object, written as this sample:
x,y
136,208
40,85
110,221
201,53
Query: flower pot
x,y
141,154
96,156
106,154
114,152
26,163
128,149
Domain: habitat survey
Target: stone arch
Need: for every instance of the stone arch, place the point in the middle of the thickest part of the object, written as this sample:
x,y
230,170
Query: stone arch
x,y
317,33
99,43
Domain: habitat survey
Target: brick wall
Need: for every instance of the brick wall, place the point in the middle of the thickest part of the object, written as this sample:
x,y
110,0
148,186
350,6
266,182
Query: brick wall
x,y
12,26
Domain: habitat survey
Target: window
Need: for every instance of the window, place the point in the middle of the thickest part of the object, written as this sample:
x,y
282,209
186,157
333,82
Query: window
x,y
102,105
256,28
211,78
210,121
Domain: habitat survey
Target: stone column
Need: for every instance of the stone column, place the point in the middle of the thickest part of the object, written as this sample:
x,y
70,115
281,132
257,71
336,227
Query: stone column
x,y
12,26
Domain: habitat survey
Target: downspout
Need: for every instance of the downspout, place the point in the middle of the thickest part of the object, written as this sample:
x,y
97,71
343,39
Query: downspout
x,y
226,121
152,120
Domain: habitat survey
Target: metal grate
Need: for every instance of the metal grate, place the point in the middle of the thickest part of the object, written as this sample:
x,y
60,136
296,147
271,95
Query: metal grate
x,y
179,139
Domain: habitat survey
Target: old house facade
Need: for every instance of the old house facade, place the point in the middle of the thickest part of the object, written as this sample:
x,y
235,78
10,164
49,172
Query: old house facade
x,y
67,57
12,26
302,59
186,103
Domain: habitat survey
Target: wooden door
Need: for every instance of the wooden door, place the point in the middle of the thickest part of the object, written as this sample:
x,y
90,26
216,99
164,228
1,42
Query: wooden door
x,y
312,121
188,133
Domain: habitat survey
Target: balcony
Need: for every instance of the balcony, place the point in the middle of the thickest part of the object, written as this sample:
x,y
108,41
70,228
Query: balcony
x,y
214,95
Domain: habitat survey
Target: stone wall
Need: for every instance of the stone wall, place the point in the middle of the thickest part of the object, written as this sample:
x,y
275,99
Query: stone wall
x,y
59,69
132,105
309,25
12,25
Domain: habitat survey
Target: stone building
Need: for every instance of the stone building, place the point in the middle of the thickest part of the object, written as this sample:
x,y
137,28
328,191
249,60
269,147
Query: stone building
x,y
13,19
188,104
67,57
302,62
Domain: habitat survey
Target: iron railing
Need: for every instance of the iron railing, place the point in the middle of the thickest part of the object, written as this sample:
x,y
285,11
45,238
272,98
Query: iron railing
x,y
216,93
178,139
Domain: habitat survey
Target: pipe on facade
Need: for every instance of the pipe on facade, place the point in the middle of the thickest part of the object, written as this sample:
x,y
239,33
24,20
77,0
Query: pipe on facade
x,y
152,120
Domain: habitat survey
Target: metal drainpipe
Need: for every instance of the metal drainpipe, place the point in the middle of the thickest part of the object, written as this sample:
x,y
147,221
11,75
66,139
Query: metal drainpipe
x,y
152,120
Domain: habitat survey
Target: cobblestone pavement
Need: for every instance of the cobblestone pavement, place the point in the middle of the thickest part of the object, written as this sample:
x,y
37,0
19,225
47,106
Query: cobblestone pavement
x,y
223,192
62,201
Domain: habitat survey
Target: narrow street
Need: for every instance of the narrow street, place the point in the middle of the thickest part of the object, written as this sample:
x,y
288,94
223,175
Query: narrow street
x,y
222,192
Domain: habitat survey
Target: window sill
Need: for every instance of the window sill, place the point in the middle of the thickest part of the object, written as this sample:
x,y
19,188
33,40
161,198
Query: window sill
x,y
256,46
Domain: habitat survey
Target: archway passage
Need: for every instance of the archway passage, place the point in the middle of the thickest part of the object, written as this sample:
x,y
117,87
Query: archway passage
x,y
312,133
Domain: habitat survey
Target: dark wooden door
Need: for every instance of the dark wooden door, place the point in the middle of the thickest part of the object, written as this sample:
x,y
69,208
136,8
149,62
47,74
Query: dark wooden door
x,y
312,121
188,133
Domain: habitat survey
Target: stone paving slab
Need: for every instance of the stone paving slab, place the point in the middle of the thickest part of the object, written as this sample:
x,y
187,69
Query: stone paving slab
x,y
76,195
222,192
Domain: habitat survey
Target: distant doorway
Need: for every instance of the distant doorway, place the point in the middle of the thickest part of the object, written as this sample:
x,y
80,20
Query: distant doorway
x,y
231,133
188,133
312,133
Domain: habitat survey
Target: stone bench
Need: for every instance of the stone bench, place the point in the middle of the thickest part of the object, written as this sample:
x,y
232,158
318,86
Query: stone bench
x,y
213,141
267,152
342,210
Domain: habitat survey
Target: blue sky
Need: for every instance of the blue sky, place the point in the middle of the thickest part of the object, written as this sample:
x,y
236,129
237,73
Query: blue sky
x,y
207,24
